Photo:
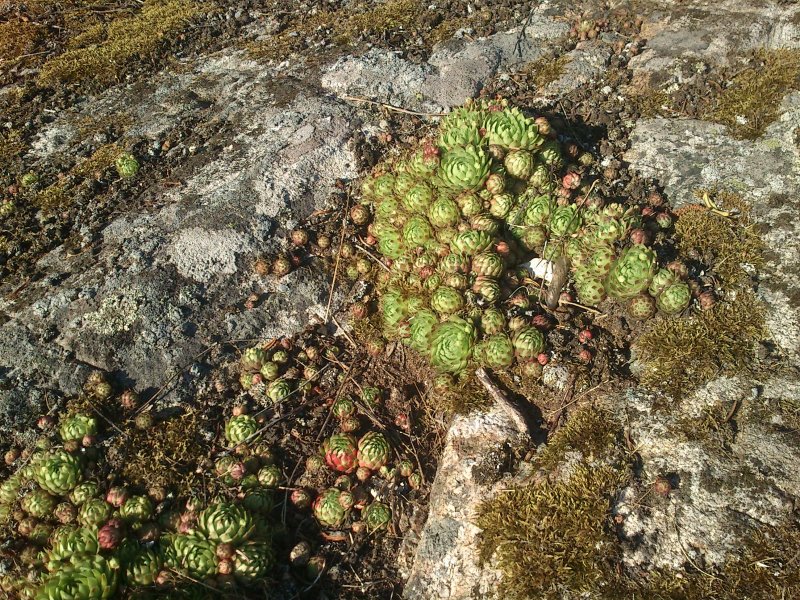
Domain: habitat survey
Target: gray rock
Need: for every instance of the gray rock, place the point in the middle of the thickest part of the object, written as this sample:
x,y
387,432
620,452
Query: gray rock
x,y
446,559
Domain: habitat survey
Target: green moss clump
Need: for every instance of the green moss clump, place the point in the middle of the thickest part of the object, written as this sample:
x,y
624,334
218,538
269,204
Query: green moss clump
x,y
166,454
544,72
722,243
752,100
111,49
557,536
679,355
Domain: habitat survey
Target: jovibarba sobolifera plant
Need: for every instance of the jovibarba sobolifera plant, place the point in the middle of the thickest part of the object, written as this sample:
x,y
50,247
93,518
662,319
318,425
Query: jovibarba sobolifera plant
x,y
456,217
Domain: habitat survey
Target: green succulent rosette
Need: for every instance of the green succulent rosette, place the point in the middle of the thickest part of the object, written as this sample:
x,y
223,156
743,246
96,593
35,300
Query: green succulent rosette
x,y
528,343
485,223
533,238
383,187
500,205
385,211
471,242
497,351
344,407
239,428
418,198
590,290
537,210
390,243
642,307
38,503
143,568
608,229
464,121
376,516
492,321
550,153
77,426
224,522
452,345
487,288
487,264
661,281
83,492
601,259
456,263
541,177
631,273
191,554
58,473
469,203
94,512
424,162
10,488
511,129
373,450
444,212
463,168
417,232
259,500
422,325
253,359
270,476
70,541
565,220
253,561
279,390
457,281
341,452
495,184
137,509
127,165
327,509
446,300
403,182
674,299
92,578
270,370
519,164
463,135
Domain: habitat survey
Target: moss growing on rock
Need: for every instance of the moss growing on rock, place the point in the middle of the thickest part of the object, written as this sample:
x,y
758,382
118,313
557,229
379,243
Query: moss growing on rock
x,y
557,535
102,53
752,100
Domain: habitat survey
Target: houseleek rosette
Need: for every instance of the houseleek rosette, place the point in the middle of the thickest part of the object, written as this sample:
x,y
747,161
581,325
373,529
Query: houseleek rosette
x,y
225,522
89,578
460,135
487,264
403,182
191,554
631,273
94,512
417,232
253,561
674,299
328,510
661,281
447,300
455,263
462,122
258,500
528,343
376,515
452,345
565,220
38,503
471,241
77,426
83,492
58,473
270,476
390,243
69,541
642,307
279,390
492,321
422,325
500,205
519,164
511,129
444,212
239,428
496,351
418,198
341,452
373,450
143,568
488,288
424,162
383,187
537,210
463,168
137,509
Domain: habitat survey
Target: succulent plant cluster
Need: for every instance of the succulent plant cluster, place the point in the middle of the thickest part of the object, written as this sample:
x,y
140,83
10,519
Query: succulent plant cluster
x,y
81,539
456,217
